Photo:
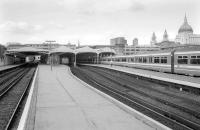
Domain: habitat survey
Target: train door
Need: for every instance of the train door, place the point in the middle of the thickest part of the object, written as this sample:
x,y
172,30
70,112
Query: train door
x,y
172,61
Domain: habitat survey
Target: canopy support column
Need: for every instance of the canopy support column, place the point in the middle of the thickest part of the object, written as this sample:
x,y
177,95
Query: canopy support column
x,y
74,60
97,58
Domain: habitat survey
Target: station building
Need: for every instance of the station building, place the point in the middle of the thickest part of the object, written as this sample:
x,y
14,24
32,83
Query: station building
x,y
186,36
119,44
184,39
131,50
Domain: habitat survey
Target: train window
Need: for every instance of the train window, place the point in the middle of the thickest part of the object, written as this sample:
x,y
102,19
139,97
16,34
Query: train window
x,y
185,57
195,60
163,59
182,59
193,56
140,59
132,59
123,59
156,59
144,59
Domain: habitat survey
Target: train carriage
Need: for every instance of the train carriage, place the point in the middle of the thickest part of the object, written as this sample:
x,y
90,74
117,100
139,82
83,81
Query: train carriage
x,y
188,59
182,61
33,58
65,60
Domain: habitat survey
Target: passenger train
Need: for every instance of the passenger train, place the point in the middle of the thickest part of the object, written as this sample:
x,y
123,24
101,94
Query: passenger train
x,y
33,58
181,61
65,60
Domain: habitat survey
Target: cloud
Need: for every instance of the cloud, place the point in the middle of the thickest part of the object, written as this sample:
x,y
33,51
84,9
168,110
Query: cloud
x,y
91,7
137,6
85,17
20,28
56,25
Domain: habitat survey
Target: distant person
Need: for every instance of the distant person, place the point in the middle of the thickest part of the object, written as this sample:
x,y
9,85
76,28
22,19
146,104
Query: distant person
x,y
111,63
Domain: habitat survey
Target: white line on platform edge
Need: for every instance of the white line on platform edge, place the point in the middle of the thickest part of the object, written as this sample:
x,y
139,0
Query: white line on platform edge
x,y
24,116
120,103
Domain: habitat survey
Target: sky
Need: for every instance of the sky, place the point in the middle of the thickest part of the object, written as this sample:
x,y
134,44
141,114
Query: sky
x,y
94,22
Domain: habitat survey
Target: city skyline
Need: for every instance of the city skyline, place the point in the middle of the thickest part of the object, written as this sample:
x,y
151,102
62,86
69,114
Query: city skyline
x,y
94,22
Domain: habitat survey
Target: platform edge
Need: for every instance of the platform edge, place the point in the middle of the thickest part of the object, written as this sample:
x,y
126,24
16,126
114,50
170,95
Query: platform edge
x,y
191,84
149,121
23,119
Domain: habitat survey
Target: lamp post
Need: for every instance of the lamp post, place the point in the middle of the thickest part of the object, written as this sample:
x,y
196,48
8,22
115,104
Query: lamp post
x,y
50,57
14,58
4,59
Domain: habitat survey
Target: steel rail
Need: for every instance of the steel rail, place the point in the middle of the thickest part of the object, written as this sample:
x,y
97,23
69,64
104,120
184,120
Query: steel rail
x,y
20,100
164,101
11,84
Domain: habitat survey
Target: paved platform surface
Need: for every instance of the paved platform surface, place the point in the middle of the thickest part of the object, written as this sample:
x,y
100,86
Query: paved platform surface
x,y
181,79
64,103
7,67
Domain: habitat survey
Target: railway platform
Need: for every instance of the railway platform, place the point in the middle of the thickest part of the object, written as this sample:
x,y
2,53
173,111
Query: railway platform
x,y
174,78
65,102
7,67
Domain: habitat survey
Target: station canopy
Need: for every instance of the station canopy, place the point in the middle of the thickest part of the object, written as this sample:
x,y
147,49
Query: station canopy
x,y
86,50
62,50
27,50
106,50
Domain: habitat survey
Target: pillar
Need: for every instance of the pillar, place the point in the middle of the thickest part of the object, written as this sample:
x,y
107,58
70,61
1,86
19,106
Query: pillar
x,y
74,60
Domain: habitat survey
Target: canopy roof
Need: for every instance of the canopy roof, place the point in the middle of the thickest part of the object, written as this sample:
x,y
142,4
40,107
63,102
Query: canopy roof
x,y
62,49
27,49
86,50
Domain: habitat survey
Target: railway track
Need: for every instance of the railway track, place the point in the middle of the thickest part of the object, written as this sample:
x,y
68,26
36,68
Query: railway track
x,y
160,109
189,106
5,72
13,89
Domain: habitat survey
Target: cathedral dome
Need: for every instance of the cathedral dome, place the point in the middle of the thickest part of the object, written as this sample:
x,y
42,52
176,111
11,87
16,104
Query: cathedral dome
x,y
185,27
